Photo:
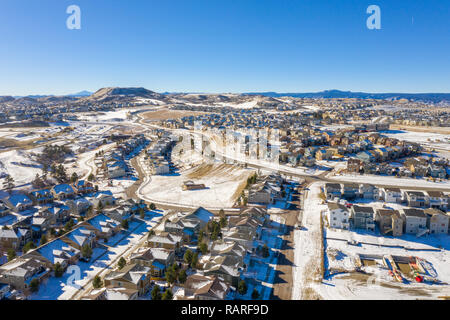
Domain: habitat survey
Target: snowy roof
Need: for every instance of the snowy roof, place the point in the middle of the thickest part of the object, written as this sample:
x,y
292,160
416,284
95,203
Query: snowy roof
x,y
19,199
57,250
100,221
63,188
10,234
202,214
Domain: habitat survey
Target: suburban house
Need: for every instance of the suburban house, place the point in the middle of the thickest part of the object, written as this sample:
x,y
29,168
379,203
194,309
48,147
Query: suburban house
x,y
437,222
338,216
83,187
363,217
389,222
415,221
103,198
112,293
119,214
157,259
248,223
222,248
200,215
332,190
392,195
103,226
18,202
227,267
202,287
132,276
243,237
56,251
9,239
165,240
116,169
350,191
80,237
63,191
437,200
43,196
78,206
416,199
367,191
4,289
265,190
20,272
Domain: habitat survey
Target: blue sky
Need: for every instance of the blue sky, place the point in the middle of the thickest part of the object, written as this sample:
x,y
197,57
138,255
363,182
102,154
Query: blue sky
x,y
224,46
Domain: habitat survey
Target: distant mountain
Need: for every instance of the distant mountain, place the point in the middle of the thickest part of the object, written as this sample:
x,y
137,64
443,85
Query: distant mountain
x,y
115,94
81,94
6,99
330,94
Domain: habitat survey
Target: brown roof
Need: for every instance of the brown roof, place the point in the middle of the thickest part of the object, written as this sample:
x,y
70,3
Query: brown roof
x,y
387,212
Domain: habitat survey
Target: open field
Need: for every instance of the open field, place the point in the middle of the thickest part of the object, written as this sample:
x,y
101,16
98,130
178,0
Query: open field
x,y
440,130
221,183
308,253
165,114
427,139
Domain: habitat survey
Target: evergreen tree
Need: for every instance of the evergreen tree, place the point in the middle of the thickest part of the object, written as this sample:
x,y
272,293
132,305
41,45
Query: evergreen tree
x,y
156,293
58,269
97,283
28,246
43,240
265,251
223,222
11,254
167,295
188,255
141,213
255,294
69,225
122,263
34,285
45,171
8,183
171,275
194,260
182,276
203,247
242,287
86,251
74,177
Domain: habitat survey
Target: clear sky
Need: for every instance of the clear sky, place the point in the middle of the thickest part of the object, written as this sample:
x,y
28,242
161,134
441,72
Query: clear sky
x,y
224,46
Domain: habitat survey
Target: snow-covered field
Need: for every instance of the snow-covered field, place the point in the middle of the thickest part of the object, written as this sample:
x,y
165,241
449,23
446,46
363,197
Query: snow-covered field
x,y
433,140
307,254
389,181
19,165
120,114
221,183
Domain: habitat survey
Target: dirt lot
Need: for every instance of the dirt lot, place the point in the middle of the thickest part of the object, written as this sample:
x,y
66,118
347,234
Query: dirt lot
x,y
166,114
